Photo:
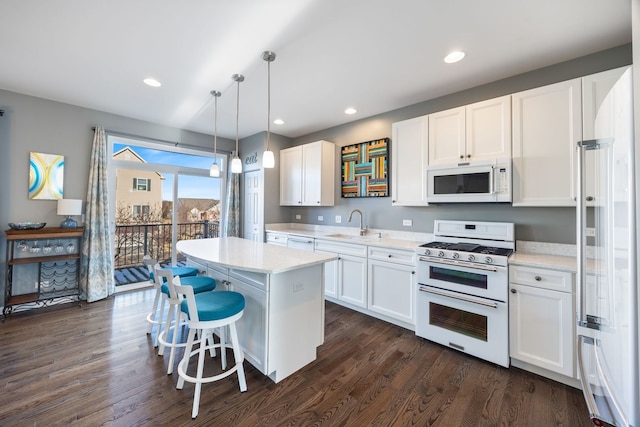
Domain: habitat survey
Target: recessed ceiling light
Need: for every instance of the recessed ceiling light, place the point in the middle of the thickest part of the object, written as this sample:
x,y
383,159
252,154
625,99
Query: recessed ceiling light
x,y
152,82
454,56
278,122
350,110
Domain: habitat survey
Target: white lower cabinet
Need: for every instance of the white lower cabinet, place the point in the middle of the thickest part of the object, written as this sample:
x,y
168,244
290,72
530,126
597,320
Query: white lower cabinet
x,y
345,278
541,319
390,290
252,325
352,280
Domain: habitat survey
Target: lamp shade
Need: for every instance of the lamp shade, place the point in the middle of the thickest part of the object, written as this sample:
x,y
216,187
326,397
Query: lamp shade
x,y
69,207
268,161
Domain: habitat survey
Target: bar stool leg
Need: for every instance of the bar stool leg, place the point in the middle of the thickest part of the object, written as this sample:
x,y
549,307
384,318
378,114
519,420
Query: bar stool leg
x,y
238,356
153,316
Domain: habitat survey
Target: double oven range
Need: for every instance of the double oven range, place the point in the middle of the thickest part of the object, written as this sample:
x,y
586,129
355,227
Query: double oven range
x,y
462,291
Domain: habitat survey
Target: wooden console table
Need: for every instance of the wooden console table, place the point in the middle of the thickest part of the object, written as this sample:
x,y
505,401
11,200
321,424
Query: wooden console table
x,y
43,266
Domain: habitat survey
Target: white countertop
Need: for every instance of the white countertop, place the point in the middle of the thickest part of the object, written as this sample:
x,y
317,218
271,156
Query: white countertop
x,y
247,255
396,239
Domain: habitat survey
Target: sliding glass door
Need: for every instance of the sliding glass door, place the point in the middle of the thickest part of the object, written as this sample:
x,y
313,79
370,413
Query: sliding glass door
x,y
159,195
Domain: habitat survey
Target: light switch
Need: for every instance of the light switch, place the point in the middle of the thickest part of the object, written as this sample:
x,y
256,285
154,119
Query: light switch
x,y
320,218
298,216
407,222
338,219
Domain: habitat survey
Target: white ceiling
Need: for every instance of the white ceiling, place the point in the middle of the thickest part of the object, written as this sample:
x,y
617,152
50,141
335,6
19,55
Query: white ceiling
x,y
375,55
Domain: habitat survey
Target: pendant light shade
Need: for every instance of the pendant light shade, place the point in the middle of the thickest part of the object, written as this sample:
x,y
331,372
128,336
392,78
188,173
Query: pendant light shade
x,y
236,163
214,171
268,160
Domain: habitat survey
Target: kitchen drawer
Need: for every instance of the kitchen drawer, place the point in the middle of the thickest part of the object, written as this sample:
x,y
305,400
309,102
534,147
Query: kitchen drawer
x,y
541,278
341,248
277,239
257,280
392,255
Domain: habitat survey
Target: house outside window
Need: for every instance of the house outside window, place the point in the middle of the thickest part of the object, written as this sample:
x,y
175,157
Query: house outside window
x,y
141,184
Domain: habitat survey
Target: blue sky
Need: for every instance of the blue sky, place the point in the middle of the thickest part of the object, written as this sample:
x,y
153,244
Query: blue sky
x,y
190,186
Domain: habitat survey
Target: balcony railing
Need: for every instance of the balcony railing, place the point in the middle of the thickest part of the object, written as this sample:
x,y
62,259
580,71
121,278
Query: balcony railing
x,y
134,241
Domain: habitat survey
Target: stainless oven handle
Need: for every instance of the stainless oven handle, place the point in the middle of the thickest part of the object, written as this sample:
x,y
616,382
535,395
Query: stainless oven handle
x,y
457,264
458,297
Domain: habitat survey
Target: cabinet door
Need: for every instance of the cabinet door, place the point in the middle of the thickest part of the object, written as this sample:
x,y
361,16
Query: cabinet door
x,y
488,129
409,159
352,280
291,176
252,326
447,137
318,173
546,127
331,278
390,290
541,328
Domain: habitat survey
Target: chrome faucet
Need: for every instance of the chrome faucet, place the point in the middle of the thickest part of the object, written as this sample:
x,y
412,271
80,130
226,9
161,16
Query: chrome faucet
x,y
363,230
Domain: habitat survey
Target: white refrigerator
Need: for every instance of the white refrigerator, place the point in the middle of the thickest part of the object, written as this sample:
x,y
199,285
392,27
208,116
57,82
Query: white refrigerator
x,y
606,278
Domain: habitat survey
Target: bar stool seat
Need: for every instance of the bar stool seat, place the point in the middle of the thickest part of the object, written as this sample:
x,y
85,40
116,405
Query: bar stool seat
x,y
155,315
198,283
204,313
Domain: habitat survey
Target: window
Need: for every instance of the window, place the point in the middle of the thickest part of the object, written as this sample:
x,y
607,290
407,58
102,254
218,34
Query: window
x,y
140,210
141,184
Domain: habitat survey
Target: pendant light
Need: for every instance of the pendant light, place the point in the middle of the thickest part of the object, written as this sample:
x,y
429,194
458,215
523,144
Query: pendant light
x,y
236,163
214,171
268,160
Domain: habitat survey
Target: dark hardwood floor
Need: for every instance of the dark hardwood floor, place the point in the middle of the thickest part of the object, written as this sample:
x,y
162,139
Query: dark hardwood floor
x,y
95,365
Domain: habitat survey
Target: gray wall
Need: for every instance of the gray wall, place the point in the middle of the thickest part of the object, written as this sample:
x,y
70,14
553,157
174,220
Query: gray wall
x,y
35,124
555,225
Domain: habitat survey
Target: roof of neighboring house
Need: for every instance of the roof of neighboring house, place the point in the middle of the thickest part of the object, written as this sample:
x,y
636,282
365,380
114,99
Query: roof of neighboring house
x,y
199,204
131,151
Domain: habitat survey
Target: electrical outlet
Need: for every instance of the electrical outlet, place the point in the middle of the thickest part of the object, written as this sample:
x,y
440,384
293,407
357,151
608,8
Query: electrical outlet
x,y
407,222
298,216
591,232
320,218
338,219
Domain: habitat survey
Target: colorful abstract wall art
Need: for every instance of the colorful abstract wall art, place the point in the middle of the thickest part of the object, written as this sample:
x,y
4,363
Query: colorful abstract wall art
x,y
365,169
46,176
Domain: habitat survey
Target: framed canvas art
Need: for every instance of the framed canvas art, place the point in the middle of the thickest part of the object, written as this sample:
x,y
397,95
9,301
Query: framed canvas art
x,y
365,169
46,176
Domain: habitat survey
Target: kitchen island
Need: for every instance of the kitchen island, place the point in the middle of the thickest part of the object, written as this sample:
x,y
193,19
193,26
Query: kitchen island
x,y
283,320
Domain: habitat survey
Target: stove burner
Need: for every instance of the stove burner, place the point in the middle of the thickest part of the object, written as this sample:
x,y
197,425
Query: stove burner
x,y
469,247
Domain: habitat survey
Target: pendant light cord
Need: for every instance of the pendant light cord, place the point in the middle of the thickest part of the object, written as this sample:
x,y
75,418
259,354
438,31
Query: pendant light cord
x,y
268,102
237,113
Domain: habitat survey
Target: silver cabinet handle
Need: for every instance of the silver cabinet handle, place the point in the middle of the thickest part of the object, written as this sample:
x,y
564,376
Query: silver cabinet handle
x,y
458,297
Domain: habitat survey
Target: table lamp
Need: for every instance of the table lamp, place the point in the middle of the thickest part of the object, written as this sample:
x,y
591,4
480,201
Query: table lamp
x,y
69,207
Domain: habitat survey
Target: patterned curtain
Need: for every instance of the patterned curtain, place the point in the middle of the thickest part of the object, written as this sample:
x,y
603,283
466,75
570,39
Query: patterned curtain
x,y
97,250
231,221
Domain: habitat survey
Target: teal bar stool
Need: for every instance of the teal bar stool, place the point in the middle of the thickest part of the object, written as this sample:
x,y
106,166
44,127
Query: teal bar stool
x,y
198,284
205,312
157,312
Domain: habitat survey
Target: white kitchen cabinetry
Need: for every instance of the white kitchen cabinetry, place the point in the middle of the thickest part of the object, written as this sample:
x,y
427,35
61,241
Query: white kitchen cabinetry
x,y
391,283
348,276
307,174
253,323
541,319
278,239
546,126
409,159
480,131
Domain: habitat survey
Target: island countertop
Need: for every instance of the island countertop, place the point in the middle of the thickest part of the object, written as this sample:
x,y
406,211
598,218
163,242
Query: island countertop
x,y
247,255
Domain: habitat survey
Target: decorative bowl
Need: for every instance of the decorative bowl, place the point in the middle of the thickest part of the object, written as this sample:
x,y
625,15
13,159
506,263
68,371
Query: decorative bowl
x,y
27,225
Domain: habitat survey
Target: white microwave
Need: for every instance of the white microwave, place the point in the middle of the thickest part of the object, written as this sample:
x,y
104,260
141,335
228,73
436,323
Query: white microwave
x,y
477,182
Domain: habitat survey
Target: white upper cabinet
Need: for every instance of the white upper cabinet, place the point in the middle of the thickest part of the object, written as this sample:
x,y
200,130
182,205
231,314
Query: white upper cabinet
x,y
480,131
307,175
546,127
409,161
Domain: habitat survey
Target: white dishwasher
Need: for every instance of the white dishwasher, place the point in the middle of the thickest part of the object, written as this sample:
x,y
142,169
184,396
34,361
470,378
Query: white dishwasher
x,y
300,242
